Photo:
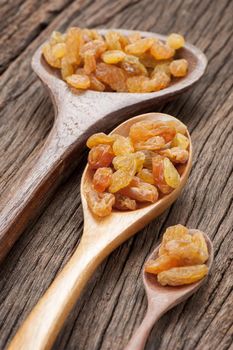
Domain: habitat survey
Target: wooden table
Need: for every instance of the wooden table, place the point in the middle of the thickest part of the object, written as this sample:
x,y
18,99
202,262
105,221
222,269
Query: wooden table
x,y
114,301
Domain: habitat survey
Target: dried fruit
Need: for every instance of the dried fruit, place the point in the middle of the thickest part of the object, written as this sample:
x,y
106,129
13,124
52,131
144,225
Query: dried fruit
x,y
175,41
113,76
119,180
99,138
152,144
178,276
162,263
113,56
180,141
144,192
171,175
126,163
102,179
124,203
176,155
100,203
161,51
158,174
78,81
122,145
100,156
131,59
138,47
146,176
178,68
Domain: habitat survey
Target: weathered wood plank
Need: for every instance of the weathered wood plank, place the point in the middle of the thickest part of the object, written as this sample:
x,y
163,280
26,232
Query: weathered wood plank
x,y
204,321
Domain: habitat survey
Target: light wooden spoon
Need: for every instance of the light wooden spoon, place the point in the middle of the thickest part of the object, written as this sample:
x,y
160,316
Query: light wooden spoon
x,y
100,237
161,299
77,115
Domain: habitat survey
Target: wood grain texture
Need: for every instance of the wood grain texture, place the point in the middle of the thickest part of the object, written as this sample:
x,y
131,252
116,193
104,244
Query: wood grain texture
x,y
204,321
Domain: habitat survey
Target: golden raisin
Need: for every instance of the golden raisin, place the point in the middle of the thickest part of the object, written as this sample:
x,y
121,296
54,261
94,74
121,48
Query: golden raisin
x,y
78,81
124,203
179,68
102,179
178,276
100,203
175,41
100,156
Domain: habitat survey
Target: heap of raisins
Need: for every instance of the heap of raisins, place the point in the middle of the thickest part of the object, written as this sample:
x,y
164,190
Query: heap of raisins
x,y
115,62
181,259
139,168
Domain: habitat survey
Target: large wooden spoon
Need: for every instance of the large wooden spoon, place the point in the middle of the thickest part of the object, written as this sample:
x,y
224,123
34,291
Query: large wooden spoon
x,y
161,299
77,115
100,238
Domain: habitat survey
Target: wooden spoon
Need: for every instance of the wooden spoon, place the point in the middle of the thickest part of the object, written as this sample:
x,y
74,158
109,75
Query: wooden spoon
x,y
161,299
77,115
100,237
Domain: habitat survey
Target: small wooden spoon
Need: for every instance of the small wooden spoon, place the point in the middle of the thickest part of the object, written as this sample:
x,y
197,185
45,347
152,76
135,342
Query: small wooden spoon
x,y
77,115
100,237
161,299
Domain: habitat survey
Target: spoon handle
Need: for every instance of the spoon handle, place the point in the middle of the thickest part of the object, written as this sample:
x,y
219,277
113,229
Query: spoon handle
x,y
139,338
41,327
25,199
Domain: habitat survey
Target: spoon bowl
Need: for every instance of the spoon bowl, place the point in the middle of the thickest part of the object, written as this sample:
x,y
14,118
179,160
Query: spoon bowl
x,y
100,237
163,298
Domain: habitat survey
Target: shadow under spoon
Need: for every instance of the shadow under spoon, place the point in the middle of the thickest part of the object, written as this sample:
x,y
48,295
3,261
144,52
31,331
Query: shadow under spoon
x,y
77,116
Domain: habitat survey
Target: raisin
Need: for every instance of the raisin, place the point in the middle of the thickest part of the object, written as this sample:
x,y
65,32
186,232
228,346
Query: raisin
x,y
99,138
95,84
78,81
89,63
100,203
162,263
125,163
133,66
140,46
176,155
146,176
59,50
178,276
180,141
102,179
122,145
113,41
100,156
49,56
188,253
161,51
176,232
113,56
171,175
144,192
115,77
152,144
124,203
178,68
119,180
67,68
161,67
175,41
158,174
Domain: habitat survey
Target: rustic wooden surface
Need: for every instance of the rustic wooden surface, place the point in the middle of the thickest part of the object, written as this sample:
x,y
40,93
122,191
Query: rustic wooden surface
x,y
114,301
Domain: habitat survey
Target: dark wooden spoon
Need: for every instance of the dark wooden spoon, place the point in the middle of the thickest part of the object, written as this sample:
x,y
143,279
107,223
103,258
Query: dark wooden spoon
x,y
77,115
